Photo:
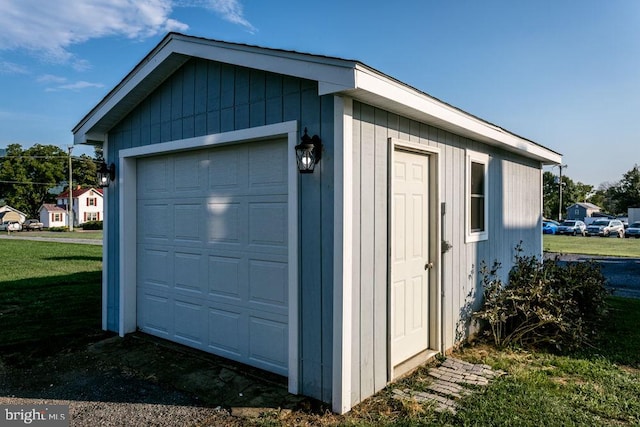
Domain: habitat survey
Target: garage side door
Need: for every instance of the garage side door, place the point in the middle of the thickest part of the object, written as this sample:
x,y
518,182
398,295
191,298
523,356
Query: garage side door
x,y
212,251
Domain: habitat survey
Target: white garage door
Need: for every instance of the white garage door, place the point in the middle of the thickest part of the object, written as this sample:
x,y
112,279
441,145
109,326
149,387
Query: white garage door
x,y
212,251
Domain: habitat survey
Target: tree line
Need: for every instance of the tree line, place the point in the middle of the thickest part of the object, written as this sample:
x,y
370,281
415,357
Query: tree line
x,y
613,198
29,177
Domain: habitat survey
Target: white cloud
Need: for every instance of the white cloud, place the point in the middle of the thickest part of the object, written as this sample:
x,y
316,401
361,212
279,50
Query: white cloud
x,y
231,10
79,85
51,29
11,68
49,78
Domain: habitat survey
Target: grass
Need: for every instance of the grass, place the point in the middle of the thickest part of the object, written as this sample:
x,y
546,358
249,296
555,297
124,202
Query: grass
x,y
50,296
49,293
599,385
601,246
90,234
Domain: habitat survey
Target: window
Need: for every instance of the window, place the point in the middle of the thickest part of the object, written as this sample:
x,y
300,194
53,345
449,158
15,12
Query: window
x,y
56,217
477,197
92,216
92,201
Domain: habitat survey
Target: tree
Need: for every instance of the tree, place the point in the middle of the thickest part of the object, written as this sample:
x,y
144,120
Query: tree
x,y
26,176
572,192
85,171
626,193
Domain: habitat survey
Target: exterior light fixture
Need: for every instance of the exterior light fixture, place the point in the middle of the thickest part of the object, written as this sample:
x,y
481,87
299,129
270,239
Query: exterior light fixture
x,y
308,152
106,174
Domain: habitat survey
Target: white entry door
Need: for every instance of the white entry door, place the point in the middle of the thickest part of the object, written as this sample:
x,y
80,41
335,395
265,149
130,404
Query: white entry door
x,y
410,256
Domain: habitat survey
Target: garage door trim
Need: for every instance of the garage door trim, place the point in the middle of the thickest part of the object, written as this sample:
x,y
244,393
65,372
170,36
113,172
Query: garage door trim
x,y
126,182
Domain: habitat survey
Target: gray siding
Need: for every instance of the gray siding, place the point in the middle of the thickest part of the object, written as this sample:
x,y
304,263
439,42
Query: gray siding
x,y
515,208
205,97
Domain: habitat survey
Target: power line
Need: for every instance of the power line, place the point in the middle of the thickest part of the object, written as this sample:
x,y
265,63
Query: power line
x,y
29,183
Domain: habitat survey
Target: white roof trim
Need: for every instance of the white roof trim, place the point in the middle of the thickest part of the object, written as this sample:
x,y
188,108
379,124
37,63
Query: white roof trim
x,y
334,76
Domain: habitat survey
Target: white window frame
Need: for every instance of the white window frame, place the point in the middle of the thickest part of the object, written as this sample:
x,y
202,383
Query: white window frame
x,y
476,236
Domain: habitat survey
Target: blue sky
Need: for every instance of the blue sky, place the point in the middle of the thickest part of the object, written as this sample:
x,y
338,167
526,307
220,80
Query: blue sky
x,y
565,74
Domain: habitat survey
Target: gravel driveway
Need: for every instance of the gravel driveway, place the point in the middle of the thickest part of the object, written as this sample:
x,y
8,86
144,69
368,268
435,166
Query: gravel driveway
x,y
142,381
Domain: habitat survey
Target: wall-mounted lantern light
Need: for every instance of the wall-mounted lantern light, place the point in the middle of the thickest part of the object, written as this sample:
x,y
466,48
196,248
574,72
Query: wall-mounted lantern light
x,y
308,152
106,174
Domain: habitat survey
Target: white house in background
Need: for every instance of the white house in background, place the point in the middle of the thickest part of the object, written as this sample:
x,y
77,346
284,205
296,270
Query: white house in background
x,y
87,204
52,215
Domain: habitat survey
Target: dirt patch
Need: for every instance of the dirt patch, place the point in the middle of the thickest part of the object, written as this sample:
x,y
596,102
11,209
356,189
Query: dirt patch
x,y
139,371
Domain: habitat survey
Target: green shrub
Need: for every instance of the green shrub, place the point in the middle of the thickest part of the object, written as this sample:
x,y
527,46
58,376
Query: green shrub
x,y
59,229
544,303
92,225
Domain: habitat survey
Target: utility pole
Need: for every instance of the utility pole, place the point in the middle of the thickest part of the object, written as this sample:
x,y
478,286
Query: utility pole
x,y
70,193
560,166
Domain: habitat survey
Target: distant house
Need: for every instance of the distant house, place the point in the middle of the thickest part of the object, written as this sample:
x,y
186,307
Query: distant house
x,y
7,213
582,210
52,215
87,204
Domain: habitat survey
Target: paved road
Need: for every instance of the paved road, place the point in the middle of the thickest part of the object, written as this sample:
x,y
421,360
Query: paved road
x,y
623,274
23,236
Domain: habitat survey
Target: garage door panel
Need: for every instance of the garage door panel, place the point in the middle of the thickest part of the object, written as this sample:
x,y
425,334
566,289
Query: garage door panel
x,y
188,271
189,173
225,280
225,332
268,344
155,314
268,287
223,221
188,321
188,222
154,222
153,268
268,224
156,171
212,251
268,175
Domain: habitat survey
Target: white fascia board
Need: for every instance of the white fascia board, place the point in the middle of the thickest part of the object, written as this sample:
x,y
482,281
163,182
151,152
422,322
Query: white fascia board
x,y
83,133
337,73
430,110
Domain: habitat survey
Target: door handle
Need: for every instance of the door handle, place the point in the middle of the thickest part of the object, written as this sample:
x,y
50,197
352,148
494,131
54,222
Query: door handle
x,y
428,266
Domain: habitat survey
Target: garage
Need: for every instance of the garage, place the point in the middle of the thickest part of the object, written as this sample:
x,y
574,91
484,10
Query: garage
x,y
212,250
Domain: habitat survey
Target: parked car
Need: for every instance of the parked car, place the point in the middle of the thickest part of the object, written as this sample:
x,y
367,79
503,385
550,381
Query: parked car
x,y
605,228
10,226
32,224
572,227
550,226
633,230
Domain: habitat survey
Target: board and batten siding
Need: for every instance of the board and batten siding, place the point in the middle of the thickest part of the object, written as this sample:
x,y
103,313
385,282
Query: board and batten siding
x,y
207,97
515,207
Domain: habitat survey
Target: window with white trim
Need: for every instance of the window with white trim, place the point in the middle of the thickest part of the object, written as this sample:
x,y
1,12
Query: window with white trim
x,y
92,216
477,197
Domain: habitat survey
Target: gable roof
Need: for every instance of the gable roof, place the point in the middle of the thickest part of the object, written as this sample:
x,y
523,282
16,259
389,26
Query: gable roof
x,y
586,206
334,76
52,208
79,192
7,208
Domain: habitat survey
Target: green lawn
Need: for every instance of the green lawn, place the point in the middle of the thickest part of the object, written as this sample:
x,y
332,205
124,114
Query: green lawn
x,y
50,300
92,234
49,292
603,246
